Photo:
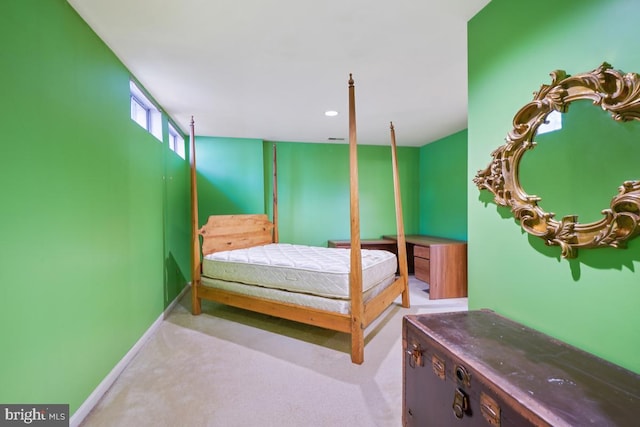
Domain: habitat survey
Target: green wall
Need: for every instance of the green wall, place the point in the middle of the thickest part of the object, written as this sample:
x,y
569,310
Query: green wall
x,y
177,223
443,187
230,176
93,247
590,301
313,186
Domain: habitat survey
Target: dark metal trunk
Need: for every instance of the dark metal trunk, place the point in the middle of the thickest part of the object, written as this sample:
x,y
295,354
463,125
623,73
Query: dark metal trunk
x,y
477,368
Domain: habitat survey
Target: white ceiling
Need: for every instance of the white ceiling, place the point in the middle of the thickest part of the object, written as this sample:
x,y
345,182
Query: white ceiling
x,y
269,69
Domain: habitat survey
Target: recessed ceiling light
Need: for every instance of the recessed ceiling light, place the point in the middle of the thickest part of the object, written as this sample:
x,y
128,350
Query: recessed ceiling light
x,y
330,113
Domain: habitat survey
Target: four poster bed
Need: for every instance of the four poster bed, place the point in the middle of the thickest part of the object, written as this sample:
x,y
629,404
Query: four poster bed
x,y
241,263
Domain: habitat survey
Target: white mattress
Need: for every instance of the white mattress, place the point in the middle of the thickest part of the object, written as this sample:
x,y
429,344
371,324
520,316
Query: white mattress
x,y
334,305
298,268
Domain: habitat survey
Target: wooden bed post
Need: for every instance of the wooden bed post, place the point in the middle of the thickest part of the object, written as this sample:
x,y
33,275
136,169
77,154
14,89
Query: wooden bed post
x,y
402,246
276,237
196,307
355,273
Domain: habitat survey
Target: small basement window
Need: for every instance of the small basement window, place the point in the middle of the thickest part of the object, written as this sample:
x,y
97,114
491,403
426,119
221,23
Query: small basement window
x,y
176,141
144,112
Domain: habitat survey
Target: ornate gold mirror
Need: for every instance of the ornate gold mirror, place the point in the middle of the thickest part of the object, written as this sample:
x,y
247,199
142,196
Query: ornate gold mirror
x,y
614,92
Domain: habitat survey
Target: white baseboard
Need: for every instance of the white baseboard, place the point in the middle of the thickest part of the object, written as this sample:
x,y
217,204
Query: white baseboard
x,y
93,399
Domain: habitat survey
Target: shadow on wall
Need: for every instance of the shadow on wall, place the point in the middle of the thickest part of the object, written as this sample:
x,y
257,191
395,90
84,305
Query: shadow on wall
x,y
175,280
213,200
605,258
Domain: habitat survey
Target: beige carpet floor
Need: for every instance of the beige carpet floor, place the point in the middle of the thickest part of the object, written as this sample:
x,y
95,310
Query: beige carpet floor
x,y
230,367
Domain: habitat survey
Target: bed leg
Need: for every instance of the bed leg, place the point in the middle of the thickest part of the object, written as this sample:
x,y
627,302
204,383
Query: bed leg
x,y
357,343
196,303
405,299
405,294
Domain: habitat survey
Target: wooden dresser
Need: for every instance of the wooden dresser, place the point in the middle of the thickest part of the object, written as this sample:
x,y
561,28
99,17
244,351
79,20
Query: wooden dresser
x,y
440,262
477,368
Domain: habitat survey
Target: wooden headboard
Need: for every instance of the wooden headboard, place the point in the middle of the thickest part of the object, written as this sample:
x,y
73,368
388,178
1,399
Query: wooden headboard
x,y
226,232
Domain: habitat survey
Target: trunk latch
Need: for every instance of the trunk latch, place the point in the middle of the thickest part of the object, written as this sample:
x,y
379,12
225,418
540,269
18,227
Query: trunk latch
x,y
460,403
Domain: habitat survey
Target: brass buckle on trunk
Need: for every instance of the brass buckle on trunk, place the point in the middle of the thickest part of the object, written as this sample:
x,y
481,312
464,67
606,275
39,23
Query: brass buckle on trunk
x,y
438,366
415,356
490,409
460,403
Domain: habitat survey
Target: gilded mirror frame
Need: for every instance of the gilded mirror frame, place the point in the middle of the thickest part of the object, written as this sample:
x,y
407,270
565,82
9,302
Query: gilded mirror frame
x,y
614,92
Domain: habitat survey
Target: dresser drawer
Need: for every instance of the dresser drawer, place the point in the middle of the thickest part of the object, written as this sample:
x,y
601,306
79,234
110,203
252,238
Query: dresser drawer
x,y
421,251
422,269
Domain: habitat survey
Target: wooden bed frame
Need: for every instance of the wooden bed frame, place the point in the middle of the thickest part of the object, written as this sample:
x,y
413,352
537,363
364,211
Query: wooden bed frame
x,y
225,232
